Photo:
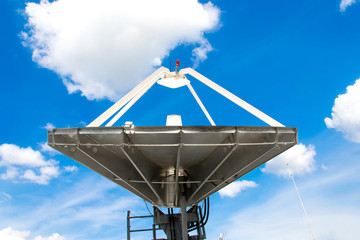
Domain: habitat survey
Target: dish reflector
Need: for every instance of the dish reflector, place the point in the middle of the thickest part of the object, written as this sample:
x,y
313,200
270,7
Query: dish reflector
x,y
157,163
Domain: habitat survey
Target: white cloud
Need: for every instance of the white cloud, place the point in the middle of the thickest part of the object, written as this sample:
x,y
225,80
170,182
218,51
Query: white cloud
x,y
8,196
200,53
346,3
23,163
70,168
49,126
11,154
324,167
11,173
94,204
54,236
11,234
235,188
46,174
83,124
300,160
4,197
346,113
45,148
102,48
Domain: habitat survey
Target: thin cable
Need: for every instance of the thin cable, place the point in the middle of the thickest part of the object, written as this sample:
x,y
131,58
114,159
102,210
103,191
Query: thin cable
x,y
203,212
147,208
206,211
301,202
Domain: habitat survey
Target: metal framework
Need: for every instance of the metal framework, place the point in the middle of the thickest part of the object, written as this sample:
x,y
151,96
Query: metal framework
x,y
134,95
129,230
171,224
160,163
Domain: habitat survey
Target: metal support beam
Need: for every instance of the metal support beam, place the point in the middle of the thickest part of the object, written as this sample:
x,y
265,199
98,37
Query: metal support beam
x,y
148,182
129,231
192,90
177,167
136,93
154,231
128,225
238,101
119,104
130,104
171,145
184,218
114,174
212,172
117,177
226,181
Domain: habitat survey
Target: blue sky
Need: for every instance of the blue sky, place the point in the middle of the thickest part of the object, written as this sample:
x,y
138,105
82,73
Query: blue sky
x,y
65,62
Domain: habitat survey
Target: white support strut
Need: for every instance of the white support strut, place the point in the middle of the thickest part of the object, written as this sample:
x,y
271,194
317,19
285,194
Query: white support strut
x,y
119,104
192,90
238,101
129,104
126,102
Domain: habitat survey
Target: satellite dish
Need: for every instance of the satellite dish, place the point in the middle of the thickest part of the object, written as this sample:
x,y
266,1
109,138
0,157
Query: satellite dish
x,y
173,166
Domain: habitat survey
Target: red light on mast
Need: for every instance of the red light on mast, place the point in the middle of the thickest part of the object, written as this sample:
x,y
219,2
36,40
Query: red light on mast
x,y
177,63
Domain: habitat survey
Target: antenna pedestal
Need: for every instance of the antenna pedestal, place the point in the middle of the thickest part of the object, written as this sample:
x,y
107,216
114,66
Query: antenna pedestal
x,y
173,223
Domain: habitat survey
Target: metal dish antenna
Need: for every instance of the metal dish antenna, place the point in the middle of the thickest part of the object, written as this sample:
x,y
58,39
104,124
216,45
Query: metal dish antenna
x,y
173,166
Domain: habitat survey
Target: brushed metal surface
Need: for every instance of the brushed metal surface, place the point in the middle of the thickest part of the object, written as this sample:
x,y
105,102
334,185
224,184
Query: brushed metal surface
x,y
157,163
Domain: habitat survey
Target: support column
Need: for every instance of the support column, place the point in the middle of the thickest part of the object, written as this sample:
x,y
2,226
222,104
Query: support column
x,y
128,225
154,232
184,225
